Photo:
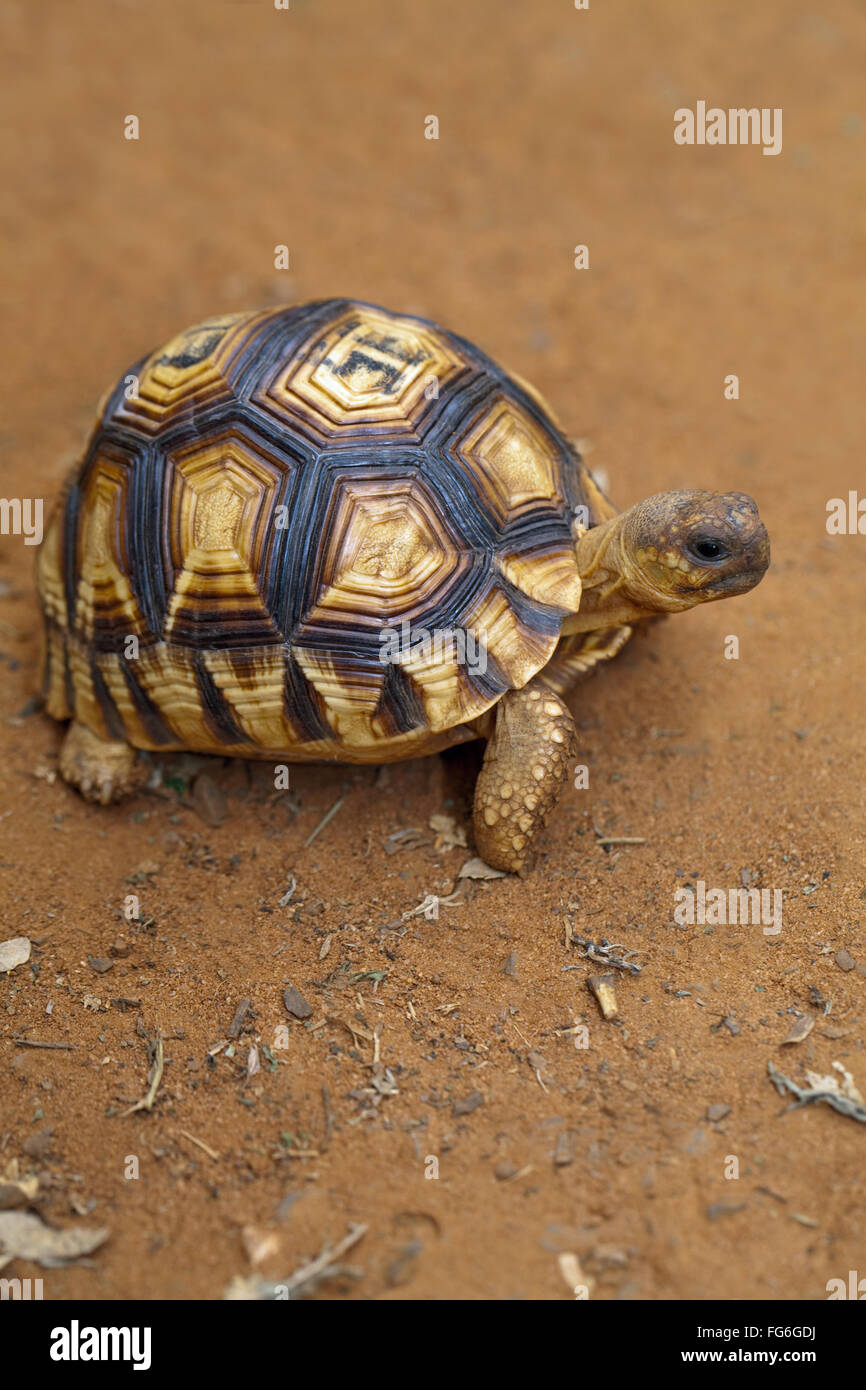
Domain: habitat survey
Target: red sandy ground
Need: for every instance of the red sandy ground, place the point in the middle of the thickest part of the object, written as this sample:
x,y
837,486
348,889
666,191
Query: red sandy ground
x,y
261,127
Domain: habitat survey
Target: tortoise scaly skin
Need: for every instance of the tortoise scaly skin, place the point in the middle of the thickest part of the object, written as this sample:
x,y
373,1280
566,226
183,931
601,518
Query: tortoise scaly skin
x,y
271,499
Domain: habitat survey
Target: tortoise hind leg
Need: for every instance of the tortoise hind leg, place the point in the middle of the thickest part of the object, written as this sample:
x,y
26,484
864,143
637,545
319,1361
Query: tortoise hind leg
x,y
527,760
103,770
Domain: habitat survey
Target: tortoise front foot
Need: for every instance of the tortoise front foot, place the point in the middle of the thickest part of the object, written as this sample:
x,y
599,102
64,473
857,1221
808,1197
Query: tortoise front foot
x,y
103,770
526,763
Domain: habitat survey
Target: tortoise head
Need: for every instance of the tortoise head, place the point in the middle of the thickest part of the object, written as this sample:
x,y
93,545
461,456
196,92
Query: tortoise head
x,y
668,553
681,548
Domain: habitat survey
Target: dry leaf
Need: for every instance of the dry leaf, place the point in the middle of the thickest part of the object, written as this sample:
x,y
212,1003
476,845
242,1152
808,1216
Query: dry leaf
x,y
14,952
260,1244
24,1236
17,1192
449,835
800,1029
842,1096
847,1087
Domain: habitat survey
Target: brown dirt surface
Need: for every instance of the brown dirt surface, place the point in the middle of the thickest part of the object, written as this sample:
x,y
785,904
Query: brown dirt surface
x,y
448,1039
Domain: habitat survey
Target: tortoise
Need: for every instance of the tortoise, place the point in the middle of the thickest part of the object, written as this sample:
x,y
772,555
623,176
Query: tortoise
x,y
329,532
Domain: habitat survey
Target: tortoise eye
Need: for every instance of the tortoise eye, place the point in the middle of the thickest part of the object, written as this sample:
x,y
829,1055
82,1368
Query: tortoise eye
x,y
706,548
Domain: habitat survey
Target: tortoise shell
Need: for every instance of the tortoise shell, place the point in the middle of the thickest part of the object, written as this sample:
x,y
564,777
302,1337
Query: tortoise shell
x,y
268,499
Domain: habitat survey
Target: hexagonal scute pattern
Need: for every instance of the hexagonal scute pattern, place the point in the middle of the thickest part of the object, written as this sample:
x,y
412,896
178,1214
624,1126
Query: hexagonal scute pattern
x,y
190,370
384,550
221,522
515,457
367,374
318,531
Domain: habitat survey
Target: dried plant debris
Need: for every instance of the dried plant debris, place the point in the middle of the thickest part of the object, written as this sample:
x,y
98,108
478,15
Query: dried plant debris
x,y
602,986
325,821
24,1236
449,835
580,1284
156,1058
401,1269
260,1244
289,893
305,1280
430,905
14,952
16,1191
382,1083
409,838
603,953
842,1095
239,1022
799,1030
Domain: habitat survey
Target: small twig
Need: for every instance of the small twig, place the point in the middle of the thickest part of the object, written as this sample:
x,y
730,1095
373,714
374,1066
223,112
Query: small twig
x,y
621,840
355,1029
329,1117
521,1173
333,811
239,1019
212,1153
155,1077
30,1042
317,1268
602,953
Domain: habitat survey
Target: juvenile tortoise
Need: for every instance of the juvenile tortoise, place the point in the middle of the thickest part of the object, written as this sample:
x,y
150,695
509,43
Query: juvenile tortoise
x,y
334,533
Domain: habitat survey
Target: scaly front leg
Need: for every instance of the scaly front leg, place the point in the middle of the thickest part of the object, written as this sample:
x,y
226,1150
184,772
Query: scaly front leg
x,y
526,763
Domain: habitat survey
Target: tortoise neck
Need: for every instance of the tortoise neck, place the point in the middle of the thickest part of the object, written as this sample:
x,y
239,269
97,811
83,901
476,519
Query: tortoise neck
x,y
605,600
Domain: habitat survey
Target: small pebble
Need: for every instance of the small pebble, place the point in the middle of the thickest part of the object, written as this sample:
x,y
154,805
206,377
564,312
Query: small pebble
x,y
38,1145
208,801
296,1004
719,1209
565,1151
717,1112
468,1104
